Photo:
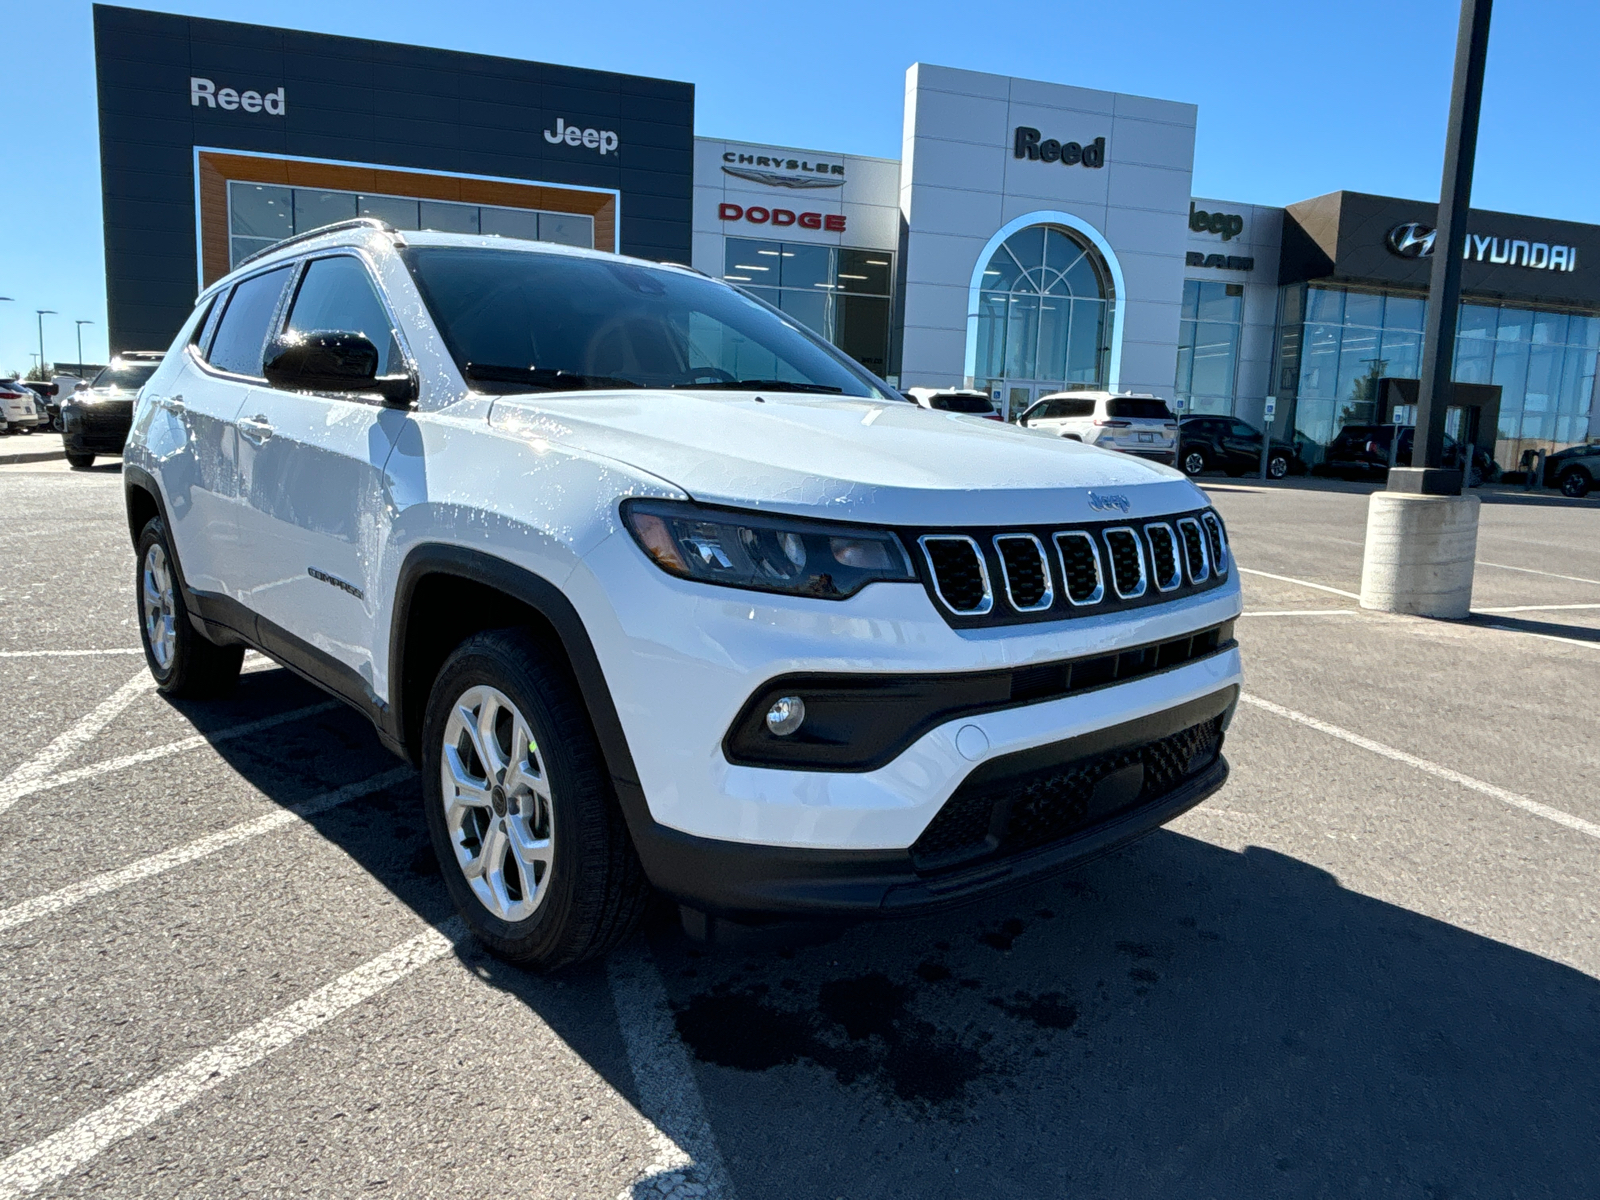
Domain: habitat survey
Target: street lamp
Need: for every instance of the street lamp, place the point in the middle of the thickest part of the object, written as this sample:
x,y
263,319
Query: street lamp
x,y
42,313
80,325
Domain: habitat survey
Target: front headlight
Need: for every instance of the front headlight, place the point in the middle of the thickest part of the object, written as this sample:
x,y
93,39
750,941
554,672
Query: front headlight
x,y
792,555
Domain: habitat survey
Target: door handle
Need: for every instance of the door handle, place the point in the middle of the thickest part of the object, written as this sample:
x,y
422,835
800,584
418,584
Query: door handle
x,y
255,429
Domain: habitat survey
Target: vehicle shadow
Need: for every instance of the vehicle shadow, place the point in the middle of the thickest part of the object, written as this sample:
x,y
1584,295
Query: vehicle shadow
x,y
1175,1019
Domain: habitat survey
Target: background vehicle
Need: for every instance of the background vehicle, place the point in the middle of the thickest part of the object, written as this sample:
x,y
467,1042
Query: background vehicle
x,y
659,609
1362,452
1574,470
956,400
95,419
24,411
63,387
1207,443
1141,425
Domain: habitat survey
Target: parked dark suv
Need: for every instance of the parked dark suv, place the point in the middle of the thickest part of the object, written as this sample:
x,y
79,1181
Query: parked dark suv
x,y
95,418
1208,443
1573,470
1362,452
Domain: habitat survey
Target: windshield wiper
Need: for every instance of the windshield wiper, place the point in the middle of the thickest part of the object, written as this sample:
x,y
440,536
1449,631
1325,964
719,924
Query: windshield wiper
x,y
763,385
544,379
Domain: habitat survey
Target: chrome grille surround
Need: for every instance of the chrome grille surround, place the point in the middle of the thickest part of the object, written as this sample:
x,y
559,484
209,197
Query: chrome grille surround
x,y
1048,599
1085,539
1217,541
1114,535
1163,545
1193,540
928,540
969,565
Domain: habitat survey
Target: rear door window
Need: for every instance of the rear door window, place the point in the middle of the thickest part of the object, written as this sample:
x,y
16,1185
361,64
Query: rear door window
x,y
241,335
1076,408
962,404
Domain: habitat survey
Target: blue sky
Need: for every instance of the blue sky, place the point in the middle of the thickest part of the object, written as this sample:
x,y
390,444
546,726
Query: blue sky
x,y
1295,99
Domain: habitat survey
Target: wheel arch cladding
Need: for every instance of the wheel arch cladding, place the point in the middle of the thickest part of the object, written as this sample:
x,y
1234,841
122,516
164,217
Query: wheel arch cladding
x,y
446,594
142,505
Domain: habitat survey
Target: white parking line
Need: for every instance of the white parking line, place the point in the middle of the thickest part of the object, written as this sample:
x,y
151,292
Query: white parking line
x,y
64,1151
13,789
155,864
1531,571
686,1159
1321,587
69,653
1421,764
73,738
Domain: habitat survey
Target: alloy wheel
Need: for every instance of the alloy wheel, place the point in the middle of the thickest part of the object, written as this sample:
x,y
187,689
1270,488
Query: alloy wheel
x,y
1277,467
497,803
1194,462
160,623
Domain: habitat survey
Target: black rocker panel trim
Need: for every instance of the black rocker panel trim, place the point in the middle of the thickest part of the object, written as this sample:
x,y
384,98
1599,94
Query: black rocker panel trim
x,y
858,722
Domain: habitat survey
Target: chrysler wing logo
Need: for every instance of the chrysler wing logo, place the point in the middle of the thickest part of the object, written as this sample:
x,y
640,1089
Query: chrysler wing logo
x,y
778,179
1101,502
1410,240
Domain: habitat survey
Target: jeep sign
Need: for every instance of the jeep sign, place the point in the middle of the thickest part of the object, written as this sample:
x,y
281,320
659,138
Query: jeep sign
x,y
602,140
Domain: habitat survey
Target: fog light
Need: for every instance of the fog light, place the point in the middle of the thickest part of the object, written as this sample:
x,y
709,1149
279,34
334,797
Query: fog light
x,y
786,715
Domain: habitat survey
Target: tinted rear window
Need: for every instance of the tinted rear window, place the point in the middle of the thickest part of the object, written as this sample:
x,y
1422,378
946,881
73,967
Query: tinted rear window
x,y
961,404
1138,410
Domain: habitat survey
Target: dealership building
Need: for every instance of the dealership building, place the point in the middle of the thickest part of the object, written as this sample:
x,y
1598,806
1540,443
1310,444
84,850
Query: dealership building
x,y
1031,238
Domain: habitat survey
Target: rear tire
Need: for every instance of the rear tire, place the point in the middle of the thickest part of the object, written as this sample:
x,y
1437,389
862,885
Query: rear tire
x,y
1575,483
1193,462
182,660
1277,467
80,462
533,846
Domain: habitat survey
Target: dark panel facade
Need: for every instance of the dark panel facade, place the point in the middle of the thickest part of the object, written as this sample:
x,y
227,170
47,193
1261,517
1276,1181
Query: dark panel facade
x,y
356,101
1354,238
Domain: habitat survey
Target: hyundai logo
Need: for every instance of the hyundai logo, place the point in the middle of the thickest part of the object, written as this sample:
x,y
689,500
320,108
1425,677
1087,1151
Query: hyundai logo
x,y
1105,503
1410,240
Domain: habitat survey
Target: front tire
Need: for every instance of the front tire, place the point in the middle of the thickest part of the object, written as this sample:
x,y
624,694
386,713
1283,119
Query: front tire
x,y
1277,467
1575,483
79,462
520,807
183,661
1193,462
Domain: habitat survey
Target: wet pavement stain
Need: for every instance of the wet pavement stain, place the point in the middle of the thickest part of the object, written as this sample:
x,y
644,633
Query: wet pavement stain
x,y
1052,1010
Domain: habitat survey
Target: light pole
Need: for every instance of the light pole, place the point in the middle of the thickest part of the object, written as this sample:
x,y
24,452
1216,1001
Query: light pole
x,y
5,298
42,313
1422,532
80,325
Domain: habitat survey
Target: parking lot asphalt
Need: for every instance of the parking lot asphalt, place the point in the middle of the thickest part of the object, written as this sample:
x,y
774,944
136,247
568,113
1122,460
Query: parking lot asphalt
x,y
1366,967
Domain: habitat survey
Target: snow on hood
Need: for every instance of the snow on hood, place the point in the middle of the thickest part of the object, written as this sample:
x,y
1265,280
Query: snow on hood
x,y
880,462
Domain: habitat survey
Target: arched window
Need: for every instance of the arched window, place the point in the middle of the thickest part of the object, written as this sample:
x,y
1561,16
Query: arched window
x,y
1044,312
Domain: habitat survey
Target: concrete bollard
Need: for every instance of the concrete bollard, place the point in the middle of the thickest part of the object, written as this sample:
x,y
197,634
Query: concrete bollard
x,y
1419,554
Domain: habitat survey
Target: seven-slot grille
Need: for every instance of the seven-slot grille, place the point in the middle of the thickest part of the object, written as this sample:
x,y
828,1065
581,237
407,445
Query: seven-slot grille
x,y
1010,576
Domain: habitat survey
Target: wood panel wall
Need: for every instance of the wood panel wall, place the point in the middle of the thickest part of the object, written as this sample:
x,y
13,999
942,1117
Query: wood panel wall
x,y
216,170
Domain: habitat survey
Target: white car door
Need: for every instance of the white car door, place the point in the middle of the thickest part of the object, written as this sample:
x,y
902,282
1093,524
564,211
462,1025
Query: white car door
x,y
315,514
199,473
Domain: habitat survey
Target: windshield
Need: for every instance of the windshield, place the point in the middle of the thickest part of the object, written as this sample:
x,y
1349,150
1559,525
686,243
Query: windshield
x,y
124,376
519,321
1138,410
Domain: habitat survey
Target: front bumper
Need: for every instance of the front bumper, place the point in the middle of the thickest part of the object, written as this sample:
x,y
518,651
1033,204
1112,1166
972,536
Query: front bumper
x,y
1031,814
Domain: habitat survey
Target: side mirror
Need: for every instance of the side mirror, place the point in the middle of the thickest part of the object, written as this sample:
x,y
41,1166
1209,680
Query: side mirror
x,y
332,361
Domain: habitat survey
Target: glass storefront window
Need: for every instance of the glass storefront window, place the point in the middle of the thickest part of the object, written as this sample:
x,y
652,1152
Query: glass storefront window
x,y
1334,343
1208,345
842,294
1043,319
261,214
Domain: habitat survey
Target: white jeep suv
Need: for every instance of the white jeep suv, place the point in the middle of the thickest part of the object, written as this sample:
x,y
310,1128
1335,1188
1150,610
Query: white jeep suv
x,y
1134,424
658,589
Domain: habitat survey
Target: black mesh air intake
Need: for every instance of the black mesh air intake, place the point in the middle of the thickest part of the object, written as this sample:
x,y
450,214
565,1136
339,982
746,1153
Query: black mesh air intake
x,y
1081,566
958,572
1027,581
1126,562
1194,551
1219,553
1163,556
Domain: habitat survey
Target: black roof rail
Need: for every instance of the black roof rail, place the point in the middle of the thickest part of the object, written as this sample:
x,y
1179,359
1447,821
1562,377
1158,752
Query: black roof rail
x,y
336,227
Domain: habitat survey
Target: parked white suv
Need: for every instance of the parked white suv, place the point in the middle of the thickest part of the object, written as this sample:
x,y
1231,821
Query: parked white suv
x,y
660,589
1134,424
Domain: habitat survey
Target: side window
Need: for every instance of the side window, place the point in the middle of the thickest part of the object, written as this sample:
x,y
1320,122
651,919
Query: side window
x,y
242,333
204,326
336,295
1077,408
1241,430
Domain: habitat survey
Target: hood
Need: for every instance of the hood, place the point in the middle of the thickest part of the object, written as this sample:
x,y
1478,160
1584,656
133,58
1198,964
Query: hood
x,y
881,462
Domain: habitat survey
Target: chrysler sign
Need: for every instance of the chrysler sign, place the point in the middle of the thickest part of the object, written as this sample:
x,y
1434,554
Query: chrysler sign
x,y
1412,239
